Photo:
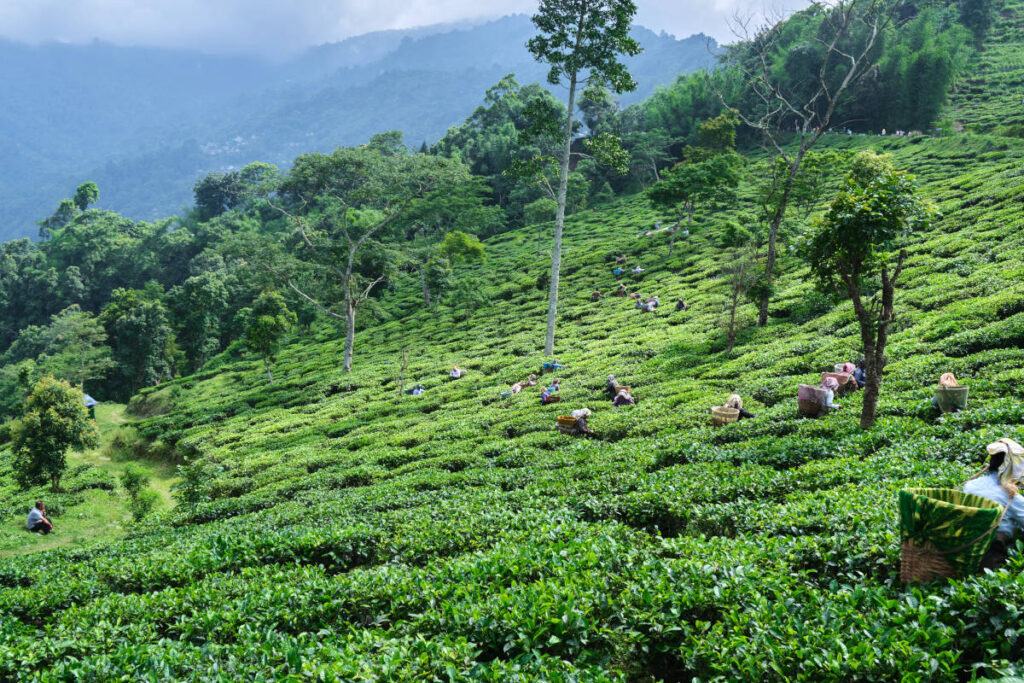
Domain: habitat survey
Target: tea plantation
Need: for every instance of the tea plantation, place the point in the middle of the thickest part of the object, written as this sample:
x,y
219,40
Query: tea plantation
x,y
342,531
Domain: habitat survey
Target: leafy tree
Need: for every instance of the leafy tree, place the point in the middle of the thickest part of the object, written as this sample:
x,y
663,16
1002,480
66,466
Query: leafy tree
x,y
217,193
77,346
85,195
199,305
581,41
718,133
458,246
268,321
690,185
66,210
341,207
493,138
859,249
137,325
648,153
55,420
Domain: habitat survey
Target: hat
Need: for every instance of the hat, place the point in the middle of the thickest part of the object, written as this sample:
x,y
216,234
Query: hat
x,y
1012,468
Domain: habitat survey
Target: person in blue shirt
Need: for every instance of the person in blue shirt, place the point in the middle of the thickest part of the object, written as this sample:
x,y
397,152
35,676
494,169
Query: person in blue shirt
x,y
37,520
859,374
999,484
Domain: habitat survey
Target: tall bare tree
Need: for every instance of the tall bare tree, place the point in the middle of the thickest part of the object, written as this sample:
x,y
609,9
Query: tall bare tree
x,y
581,41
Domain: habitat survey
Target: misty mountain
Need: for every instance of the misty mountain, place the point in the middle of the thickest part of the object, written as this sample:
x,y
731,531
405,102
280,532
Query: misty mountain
x,y
145,123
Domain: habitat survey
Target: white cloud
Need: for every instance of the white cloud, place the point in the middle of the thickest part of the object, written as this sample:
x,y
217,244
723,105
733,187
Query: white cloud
x,y
278,27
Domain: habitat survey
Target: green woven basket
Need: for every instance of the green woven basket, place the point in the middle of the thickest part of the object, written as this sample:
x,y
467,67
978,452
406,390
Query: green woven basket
x,y
945,532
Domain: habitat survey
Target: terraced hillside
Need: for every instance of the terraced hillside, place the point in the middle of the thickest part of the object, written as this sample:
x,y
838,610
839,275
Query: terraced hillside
x,y
992,97
341,531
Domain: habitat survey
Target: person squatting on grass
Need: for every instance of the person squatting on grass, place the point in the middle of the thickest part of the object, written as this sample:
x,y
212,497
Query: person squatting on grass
x,y
37,520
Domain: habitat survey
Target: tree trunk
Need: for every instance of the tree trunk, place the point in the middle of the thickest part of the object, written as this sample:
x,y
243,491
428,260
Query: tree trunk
x,y
773,233
270,374
871,391
55,482
350,335
556,254
426,289
731,339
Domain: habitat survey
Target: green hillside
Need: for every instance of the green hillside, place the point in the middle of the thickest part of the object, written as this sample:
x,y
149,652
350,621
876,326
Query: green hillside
x,y
991,97
341,531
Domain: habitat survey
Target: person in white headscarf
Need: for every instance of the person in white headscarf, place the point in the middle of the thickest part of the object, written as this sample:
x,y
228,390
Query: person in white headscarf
x,y
998,483
581,416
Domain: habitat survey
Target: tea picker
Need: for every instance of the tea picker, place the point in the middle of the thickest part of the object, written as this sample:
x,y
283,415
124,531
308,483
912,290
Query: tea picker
x,y
947,533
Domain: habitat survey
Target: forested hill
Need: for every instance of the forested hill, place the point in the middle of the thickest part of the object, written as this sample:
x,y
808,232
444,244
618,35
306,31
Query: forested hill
x,y
145,124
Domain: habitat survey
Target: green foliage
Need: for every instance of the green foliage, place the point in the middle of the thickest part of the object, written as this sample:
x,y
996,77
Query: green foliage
x,y
133,480
54,421
266,323
86,194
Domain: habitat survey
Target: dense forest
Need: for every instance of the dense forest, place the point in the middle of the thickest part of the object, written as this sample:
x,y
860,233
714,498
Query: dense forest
x,y
844,185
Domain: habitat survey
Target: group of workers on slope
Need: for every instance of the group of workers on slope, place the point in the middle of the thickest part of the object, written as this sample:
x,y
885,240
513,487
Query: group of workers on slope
x,y
658,229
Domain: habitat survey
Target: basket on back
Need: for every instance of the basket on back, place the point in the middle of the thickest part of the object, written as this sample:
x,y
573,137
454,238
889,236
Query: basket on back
x,y
566,424
944,532
843,378
809,400
951,398
620,387
721,415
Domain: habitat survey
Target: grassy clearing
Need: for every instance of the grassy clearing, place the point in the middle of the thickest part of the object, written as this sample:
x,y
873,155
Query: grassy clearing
x,y
96,512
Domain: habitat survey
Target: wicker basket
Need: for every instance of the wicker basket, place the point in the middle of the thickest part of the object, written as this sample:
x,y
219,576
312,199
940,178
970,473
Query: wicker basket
x,y
566,424
944,532
809,400
554,398
843,378
951,398
721,415
620,387
808,408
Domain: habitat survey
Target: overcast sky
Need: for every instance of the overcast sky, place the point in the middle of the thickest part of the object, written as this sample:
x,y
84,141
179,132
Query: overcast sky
x,y
277,27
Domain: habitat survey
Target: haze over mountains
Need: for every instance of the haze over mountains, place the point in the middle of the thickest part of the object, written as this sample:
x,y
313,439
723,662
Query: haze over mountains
x,y
145,123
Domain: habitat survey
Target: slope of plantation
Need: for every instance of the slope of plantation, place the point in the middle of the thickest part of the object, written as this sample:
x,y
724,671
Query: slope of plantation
x,y
349,533
992,95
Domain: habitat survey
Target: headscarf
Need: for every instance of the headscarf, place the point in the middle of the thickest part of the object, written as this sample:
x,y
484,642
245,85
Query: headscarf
x,y
582,412
1012,469
623,393
735,401
948,379
830,383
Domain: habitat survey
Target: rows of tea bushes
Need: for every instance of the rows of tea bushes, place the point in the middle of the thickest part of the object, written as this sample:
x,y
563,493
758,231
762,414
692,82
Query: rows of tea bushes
x,y
336,529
